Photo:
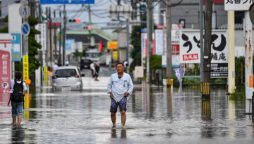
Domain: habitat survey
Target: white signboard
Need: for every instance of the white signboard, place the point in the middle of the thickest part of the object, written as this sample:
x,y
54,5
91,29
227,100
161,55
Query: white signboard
x,y
190,47
237,5
14,19
42,38
138,72
175,42
143,46
159,41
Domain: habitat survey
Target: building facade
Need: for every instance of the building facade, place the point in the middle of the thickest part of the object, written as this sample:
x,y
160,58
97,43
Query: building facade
x,y
187,12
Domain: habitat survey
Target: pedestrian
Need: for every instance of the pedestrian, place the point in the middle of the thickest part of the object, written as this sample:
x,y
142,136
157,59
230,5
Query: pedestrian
x,y
17,94
92,68
97,69
126,64
120,88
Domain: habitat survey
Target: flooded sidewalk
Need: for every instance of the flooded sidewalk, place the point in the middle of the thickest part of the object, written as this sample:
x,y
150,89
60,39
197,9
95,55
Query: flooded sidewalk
x,y
154,115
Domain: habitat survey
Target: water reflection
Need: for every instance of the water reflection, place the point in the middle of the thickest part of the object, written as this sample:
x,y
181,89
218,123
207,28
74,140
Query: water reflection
x,y
123,134
169,96
27,105
207,128
113,133
205,110
159,113
17,135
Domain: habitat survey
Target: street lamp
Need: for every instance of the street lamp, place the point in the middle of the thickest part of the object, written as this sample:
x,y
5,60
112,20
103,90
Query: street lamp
x,y
125,11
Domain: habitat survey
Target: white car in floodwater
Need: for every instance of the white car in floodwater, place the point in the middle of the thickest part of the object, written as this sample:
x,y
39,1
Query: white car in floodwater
x,y
67,78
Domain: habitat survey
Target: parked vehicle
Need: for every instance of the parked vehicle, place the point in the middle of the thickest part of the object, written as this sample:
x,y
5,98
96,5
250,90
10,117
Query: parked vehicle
x,y
85,63
93,54
67,78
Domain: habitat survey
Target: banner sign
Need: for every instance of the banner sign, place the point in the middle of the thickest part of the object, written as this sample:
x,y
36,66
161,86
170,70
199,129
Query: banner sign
x,y
190,47
16,47
159,37
25,67
5,63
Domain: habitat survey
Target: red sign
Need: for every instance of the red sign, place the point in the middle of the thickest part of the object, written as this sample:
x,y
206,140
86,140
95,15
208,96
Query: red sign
x,y
5,71
100,47
188,57
54,24
153,47
175,49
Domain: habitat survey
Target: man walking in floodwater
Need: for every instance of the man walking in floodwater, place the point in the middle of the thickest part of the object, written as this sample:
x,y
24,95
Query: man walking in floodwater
x,y
120,87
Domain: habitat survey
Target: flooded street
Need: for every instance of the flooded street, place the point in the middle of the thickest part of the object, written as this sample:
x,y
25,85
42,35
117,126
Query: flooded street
x,y
154,115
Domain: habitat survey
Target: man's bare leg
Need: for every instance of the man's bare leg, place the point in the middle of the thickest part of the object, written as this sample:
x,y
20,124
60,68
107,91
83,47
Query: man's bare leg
x,y
113,119
123,118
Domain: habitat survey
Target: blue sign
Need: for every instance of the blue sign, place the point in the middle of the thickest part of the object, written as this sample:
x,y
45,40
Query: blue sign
x,y
25,28
67,1
16,47
69,45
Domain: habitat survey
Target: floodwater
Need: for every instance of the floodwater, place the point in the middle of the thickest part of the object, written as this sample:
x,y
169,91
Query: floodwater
x,y
154,115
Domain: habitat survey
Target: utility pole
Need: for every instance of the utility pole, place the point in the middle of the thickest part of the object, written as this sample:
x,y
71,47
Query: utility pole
x,y
127,40
64,34
55,38
231,52
60,43
149,37
50,37
90,25
207,51
201,26
168,43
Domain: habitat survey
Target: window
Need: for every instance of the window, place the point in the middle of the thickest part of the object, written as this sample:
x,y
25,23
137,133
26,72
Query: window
x,y
65,73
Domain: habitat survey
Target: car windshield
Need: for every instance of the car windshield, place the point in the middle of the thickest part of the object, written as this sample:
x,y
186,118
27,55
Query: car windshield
x,y
65,73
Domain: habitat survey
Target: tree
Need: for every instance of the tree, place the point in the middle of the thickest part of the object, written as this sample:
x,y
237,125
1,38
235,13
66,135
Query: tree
x,y
4,25
136,43
33,47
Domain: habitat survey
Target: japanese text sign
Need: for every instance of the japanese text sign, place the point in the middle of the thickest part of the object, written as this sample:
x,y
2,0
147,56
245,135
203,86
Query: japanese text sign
x,y
237,5
26,67
5,62
190,47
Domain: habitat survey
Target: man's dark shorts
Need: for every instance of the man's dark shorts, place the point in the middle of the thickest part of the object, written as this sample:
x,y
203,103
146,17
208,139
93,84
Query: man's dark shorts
x,y
122,105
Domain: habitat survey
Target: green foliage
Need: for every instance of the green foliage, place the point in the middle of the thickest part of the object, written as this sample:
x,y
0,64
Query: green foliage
x,y
155,62
191,81
77,54
240,71
33,47
4,30
238,95
219,81
32,21
136,43
6,19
